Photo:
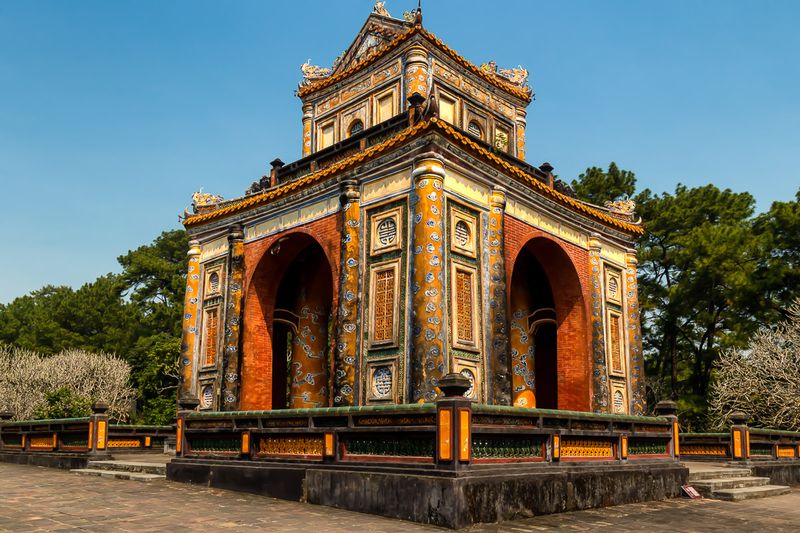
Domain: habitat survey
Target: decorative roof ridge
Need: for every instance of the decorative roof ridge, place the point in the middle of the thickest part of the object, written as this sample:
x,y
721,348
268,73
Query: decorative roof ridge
x,y
259,199
264,197
531,180
525,94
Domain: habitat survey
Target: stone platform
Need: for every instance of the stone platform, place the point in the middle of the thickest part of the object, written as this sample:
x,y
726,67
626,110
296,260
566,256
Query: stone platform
x,y
477,495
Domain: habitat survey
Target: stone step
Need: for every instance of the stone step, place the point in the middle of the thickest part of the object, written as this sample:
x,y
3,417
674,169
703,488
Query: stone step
x,y
707,486
717,473
130,466
749,493
118,474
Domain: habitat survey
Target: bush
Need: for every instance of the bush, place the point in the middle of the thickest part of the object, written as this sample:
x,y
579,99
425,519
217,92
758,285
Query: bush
x,y
63,403
762,380
28,380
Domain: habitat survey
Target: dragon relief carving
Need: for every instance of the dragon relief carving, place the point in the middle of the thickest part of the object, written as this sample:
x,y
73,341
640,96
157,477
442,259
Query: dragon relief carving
x,y
517,76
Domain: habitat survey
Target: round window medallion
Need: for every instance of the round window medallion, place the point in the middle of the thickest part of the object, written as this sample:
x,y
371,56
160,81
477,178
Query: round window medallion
x,y
213,282
208,396
613,287
474,129
462,234
387,231
619,403
467,373
382,382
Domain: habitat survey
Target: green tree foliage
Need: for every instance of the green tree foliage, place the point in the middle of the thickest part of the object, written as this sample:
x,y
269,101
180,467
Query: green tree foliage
x,y
710,273
597,186
63,403
135,314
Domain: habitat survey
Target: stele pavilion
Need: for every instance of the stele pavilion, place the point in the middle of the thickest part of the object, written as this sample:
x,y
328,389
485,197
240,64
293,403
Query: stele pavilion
x,y
411,240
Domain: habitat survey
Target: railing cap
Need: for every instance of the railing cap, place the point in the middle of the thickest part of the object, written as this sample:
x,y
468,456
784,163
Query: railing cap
x,y
739,418
454,385
666,408
6,415
100,408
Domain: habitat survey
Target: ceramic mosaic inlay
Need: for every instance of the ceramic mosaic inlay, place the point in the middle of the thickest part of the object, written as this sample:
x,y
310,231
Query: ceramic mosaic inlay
x,y
600,402
349,296
498,319
233,319
190,306
638,405
427,336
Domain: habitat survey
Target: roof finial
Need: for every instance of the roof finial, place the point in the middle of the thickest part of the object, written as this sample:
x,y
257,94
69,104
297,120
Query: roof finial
x,y
380,9
418,15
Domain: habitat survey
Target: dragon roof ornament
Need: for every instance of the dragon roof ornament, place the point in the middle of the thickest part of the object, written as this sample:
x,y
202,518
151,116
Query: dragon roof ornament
x,y
380,9
517,76
313,73
622,208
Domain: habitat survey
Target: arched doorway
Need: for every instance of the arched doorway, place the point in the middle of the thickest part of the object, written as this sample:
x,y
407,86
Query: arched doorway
x,y
300,330
549,335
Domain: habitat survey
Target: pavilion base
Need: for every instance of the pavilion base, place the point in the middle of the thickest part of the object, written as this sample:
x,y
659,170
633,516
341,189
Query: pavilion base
x,y
453,500
66,461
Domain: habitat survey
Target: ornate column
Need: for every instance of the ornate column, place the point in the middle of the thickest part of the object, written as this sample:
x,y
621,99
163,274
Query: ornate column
x,y
416,71
346,351
599,372
191,304
521,125
309,369
308,114
523,370
636,377
233,321
428,297
497,315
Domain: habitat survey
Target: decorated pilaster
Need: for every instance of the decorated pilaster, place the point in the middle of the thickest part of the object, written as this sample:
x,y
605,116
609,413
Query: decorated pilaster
x,y
599,373
349,298
427,314
307,116
416,71
637,392
521,124
497,315
190,312
233,321
523,371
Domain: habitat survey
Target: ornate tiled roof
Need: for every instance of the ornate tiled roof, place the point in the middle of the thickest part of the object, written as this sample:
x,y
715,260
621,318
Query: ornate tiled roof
x,y
381,51
256,200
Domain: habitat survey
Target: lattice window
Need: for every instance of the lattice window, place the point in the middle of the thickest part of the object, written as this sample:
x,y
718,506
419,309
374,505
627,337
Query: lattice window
x,y
615,344
211,336
465,330
384,305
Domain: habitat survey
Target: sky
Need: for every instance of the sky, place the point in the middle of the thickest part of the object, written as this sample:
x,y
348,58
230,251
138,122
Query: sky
x,y
112,113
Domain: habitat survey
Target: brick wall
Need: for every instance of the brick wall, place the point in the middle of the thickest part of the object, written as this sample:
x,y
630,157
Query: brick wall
x,y
567,269
263,274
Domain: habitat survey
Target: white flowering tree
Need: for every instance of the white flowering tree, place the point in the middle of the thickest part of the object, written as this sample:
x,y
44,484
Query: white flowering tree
x,y
26,378
762,380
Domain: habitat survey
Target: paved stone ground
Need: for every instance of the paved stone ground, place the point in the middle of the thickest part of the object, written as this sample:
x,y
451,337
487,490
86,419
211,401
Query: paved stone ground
x,y
42,499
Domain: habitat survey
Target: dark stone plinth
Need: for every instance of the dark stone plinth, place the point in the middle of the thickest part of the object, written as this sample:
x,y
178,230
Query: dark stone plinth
x,y
779,472
66,461
486,494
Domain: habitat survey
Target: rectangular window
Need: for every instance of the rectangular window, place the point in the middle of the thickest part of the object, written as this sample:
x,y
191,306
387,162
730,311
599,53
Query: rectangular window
x,y
385,107
326,136
447,109
211,336
615,343
464,306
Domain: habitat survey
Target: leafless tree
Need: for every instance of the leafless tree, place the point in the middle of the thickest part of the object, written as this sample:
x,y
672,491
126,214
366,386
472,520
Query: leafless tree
x,y
25,378
762,380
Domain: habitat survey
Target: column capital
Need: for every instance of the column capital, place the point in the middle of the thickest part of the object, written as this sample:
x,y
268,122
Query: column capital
x,y
430,166
194,247
235,233
350,191
497,198
630,257
594,241
308,107
416,53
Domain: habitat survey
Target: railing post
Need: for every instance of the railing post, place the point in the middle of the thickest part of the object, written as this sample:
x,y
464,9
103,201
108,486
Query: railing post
x,y
669,410
98,430
453,423
185,406
4,416
740,437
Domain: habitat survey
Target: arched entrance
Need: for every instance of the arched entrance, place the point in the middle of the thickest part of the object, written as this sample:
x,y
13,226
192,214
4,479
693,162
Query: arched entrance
x,y
300,322
287,307
549,335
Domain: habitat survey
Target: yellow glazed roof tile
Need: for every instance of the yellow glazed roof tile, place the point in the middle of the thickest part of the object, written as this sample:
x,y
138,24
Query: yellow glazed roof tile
x,y
267,196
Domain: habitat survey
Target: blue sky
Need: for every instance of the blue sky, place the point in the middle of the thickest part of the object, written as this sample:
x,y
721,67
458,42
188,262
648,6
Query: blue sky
x,y
113,113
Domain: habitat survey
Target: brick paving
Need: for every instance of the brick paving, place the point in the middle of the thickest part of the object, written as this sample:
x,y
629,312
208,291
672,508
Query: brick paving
x,y
41,499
